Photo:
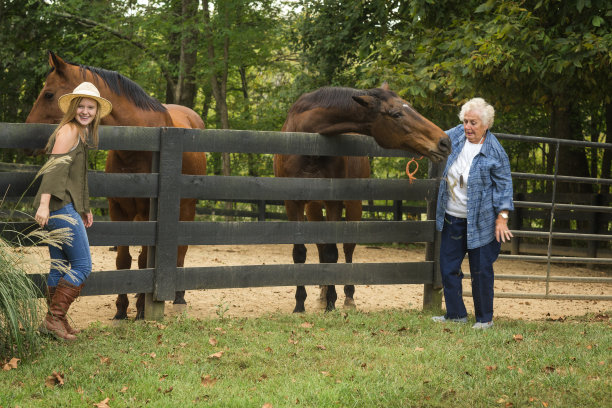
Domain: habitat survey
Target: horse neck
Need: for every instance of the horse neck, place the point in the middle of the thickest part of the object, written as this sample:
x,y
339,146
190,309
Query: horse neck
x,y
125,112
330,122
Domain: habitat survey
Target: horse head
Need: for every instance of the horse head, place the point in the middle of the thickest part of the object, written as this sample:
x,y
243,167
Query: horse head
x,y
395,124
59,82
132,106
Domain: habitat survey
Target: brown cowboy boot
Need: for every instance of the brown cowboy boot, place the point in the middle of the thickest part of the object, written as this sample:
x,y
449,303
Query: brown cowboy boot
x,y
55,321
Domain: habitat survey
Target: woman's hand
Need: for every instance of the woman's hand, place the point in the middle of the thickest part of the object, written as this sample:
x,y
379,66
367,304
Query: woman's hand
x,y
502,233
42,216
87,219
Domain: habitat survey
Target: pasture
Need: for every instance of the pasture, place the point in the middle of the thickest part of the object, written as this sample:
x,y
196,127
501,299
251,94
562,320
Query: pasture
x,y
336,359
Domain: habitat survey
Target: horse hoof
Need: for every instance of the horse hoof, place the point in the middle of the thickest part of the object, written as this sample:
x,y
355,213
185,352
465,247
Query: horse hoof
x,y
139,315
120,316
299,309
179,301
350,303
330,307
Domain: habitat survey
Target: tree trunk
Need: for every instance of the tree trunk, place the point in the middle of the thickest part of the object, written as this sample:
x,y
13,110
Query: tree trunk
x,y
186,84
219,74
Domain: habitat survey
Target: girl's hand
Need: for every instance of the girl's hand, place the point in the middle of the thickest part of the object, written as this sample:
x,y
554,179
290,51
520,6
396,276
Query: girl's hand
x,y
87,219
42,216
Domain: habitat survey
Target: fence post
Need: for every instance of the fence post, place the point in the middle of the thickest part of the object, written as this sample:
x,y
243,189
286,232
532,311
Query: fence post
x,y
168,213
432,293
261,210
595,221
397,210
516,223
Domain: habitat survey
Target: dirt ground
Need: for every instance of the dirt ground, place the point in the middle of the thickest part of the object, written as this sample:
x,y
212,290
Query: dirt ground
x,y
260,301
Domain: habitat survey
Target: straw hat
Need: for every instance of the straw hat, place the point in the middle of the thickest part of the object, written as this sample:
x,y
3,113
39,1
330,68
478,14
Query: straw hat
x,y
86,90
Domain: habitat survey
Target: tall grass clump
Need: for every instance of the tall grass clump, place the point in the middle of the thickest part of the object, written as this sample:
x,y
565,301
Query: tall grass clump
x,y
20,309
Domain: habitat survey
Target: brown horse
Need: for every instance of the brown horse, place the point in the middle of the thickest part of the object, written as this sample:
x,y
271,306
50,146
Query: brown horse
x,y
132,106
377,112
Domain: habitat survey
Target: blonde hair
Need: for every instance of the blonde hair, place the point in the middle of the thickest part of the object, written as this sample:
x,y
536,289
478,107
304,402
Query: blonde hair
x,y
90,131
484,110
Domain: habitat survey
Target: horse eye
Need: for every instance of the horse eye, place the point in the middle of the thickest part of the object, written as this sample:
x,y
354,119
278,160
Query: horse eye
x,y
395,114
49,95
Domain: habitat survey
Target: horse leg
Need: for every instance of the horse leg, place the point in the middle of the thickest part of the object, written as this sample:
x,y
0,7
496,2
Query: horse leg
x,y
328,253
187,213
314,212
123,261
179,295
353,213
140,298
295,212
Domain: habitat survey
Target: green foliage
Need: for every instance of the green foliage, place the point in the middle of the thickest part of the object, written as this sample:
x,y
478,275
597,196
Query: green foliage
x,y
385,359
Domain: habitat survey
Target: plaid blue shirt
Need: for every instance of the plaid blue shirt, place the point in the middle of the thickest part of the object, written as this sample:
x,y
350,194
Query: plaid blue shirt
x,y
489,188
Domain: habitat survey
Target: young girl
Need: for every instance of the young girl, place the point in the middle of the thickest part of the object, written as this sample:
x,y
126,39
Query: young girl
x,y
64,191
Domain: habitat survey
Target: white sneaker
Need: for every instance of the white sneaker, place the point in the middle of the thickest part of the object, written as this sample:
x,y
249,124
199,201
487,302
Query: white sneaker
x,y
443,319
482,326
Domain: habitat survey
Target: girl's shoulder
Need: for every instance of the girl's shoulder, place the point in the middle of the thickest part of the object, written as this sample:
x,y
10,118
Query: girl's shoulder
x,y
66,138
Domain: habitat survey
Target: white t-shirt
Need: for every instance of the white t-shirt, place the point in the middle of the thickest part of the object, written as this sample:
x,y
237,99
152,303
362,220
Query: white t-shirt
x,y
457,195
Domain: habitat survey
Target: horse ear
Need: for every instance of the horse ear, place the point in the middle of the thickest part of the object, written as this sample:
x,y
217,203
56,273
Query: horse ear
x,y
56,62
385,86
366,100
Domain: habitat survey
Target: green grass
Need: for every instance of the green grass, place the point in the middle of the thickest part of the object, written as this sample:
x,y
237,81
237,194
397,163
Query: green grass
x,y
339,359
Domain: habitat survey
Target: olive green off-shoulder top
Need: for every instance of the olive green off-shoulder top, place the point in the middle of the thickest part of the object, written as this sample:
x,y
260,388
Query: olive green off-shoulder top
x,y
66,180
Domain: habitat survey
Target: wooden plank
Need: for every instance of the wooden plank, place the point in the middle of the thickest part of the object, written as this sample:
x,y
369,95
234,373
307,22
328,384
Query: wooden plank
x,y
278,232
111,233
101,233
25,135
122,184
247,276
277,188
100,184
250,141
168,208
35,136
109,282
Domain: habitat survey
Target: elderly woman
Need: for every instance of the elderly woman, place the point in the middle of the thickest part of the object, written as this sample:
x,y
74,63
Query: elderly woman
x,y
473,203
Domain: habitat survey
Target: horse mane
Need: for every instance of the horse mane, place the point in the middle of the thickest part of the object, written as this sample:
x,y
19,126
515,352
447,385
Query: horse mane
x,y
125,87
336,97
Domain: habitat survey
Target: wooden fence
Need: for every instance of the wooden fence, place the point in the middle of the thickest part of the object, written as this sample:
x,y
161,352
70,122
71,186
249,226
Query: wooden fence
x,y
166,185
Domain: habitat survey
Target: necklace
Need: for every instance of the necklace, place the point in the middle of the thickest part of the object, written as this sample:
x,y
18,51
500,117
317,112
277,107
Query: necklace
x,y
469,163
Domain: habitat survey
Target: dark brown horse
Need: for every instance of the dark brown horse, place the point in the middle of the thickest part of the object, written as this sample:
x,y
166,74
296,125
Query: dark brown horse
x,y
377,112
132,106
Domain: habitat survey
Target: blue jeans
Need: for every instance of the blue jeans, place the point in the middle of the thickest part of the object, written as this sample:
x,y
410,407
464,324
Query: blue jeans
x,y
75,255
452,251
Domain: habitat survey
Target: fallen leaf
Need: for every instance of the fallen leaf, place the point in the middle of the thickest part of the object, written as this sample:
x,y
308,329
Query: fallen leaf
x,y
419,349
307,325
549,369
104,360
217,355
168,390
163,377
268,349
291,341
54,379
220,330
159,337
103,403
325,373
11,365
123,389
491,368
212,341
321,347
267,405
208,381
518,337
152,355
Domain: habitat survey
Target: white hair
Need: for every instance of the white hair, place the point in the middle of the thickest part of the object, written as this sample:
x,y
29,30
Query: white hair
x,y
480,107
